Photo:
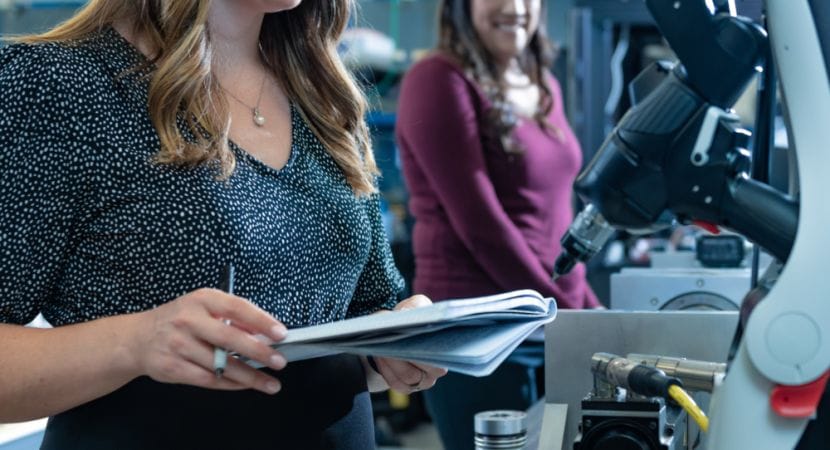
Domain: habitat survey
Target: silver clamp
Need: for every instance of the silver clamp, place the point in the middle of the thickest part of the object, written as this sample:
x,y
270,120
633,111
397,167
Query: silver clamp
x,y
700,152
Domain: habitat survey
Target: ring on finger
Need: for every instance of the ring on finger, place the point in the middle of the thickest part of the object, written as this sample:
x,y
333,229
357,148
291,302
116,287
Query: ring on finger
x,y
417,386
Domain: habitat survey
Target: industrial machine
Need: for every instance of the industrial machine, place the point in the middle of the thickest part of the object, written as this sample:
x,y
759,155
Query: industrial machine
x,y
569,372
631,406
682,289
680,154
711,274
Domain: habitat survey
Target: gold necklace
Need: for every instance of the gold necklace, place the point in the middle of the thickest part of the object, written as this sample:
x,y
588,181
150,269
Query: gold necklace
x,y
259,119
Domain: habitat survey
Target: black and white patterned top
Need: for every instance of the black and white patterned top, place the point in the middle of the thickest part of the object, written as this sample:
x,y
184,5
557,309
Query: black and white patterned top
x,y
90,227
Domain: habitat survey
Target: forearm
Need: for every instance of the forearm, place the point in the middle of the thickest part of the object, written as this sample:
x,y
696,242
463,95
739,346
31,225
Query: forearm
x,y
47,371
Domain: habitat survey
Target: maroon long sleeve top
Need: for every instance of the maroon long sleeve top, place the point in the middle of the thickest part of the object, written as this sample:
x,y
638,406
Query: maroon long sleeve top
x,y
485,221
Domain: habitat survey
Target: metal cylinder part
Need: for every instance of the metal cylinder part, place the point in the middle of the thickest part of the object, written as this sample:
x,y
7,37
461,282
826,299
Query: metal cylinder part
x,y
591,229
500,429
613,368
694,374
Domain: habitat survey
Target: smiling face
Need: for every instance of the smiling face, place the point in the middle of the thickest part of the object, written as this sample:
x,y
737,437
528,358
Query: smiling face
x,y
247,7
505,27
270,6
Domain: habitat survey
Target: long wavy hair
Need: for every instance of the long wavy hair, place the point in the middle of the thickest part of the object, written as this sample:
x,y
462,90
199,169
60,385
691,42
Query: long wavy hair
x,y
459,39
299,48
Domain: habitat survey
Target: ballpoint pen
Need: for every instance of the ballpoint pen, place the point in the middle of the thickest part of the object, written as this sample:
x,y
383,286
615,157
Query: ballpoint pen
x,y
220,355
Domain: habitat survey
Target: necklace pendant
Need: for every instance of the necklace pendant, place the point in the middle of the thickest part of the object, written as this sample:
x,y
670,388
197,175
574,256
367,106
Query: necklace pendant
x,y
259,119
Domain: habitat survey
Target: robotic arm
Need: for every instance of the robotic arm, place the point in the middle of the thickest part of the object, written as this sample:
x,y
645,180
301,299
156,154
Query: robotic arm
x,y
680,154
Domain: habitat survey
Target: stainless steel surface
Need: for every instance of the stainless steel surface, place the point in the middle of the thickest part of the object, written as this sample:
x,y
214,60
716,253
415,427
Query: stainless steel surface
x,y
574,336
535,418
591,229
501,422
501,429
501,443
638,289
700,301
585,237
613,368
695,375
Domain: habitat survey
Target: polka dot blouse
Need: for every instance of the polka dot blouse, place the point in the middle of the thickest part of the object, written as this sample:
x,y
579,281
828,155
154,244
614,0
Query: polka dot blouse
x,y
90,227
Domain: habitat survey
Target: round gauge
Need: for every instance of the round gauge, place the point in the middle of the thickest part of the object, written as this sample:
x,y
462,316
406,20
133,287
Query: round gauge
x,y
700,301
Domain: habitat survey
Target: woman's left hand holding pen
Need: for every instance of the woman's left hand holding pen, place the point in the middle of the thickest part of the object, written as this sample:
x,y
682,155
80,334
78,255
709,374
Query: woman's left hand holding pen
x,y
175,342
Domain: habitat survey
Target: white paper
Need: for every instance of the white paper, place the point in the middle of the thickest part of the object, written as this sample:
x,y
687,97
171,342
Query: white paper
x,y
471,336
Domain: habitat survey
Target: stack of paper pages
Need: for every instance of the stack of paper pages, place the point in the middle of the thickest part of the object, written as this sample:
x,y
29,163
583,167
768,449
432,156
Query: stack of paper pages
x,y
471,336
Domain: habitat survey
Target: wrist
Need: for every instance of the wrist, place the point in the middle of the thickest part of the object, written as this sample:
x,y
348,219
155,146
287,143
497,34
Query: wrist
x,y
128,333
374,380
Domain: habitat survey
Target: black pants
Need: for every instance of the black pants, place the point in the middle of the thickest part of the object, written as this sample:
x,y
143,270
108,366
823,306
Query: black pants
x,y
324,404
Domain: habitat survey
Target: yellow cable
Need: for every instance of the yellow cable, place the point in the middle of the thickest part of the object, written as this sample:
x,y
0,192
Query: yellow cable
x,y
688,403
398,400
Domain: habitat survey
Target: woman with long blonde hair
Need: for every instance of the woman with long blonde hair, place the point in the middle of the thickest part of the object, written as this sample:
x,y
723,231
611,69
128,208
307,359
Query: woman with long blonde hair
x,y
147,144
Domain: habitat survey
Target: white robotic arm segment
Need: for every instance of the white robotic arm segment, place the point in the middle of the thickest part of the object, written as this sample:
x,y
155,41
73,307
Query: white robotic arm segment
x,y
740,416
787,340
788,336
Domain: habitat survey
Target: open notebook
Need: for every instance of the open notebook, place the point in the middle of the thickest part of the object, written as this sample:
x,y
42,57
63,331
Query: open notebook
x,y
471,336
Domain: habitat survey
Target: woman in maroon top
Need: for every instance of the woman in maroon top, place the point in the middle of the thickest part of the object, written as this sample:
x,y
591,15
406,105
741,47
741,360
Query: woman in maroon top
x,y
489,161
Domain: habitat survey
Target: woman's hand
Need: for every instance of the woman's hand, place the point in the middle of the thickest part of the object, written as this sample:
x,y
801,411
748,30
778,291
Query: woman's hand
x,y
175,342
405,376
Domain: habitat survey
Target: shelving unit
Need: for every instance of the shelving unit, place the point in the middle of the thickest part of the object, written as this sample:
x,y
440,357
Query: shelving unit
x,y
32,16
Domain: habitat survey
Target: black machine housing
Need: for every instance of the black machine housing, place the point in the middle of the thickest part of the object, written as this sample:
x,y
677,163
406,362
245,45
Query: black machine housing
x,y
645,424
678,153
